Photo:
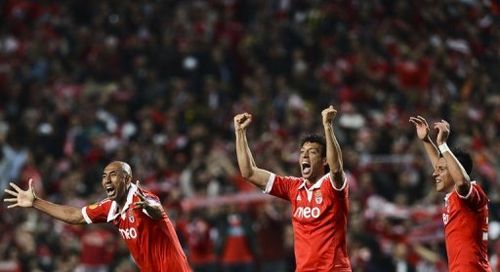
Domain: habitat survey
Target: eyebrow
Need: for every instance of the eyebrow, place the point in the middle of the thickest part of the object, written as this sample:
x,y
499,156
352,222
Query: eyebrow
x,y
111,172
311,148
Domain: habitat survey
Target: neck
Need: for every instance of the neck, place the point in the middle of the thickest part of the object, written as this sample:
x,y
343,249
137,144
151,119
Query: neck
x,y
121,201
310,182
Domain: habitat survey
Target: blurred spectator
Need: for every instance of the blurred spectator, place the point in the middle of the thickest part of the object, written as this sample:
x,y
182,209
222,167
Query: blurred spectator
x,y
237,242
201,239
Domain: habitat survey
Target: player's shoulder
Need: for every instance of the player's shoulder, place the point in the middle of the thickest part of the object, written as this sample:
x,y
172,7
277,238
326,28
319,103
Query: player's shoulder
x,y
292,178
296,181
100,204
148,194
476,185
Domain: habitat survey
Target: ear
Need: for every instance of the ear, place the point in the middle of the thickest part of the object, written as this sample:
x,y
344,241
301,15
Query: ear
x,y
128,179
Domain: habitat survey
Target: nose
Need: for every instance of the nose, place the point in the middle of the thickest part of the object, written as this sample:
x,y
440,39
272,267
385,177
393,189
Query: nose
x,y
106,179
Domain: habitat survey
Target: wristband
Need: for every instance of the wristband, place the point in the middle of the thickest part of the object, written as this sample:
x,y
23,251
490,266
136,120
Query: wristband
x,y
443,148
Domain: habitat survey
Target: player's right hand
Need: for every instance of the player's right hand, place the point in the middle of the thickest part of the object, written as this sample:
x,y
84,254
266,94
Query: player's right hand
x,y
242,121
328,115
20,197
421,126
443,129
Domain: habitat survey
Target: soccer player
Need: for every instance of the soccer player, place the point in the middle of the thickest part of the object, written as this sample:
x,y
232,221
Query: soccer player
x,y
137,213
319,198
465,215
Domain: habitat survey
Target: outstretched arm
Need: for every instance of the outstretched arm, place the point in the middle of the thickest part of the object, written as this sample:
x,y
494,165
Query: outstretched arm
x,y
457,172
246,163
422,129
333,152
28,198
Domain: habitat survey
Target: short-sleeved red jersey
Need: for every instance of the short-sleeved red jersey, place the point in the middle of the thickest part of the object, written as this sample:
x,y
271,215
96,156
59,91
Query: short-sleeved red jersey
x,y
319,218
466,230
152,243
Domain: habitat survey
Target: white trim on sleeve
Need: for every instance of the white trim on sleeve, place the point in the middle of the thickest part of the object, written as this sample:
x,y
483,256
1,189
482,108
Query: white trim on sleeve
x,y
146,213
468,194
270,183
341,187
86,216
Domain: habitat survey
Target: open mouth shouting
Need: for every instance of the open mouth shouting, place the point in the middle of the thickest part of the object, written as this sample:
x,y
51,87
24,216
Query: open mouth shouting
x,y
110,190
306,168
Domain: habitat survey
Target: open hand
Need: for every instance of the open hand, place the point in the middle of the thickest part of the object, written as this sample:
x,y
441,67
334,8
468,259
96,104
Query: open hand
x,y
443,129
20,197
421,126
153,208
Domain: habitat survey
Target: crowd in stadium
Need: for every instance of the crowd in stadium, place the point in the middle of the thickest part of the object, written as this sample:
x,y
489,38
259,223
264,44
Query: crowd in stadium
x,y
157,84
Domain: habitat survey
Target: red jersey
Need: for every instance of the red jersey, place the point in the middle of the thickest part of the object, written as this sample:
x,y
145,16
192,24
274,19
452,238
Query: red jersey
x,y
466,230
319,218
152,243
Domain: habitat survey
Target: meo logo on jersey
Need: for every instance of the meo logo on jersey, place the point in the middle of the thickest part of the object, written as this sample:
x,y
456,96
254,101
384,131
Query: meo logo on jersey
x,y
129,233
307,212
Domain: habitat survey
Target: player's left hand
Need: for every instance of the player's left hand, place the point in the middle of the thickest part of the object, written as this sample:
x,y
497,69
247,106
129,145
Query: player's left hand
x,y
19,197
328,115
153,208
443,129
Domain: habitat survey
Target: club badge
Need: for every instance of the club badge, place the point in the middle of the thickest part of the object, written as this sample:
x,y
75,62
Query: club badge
x,y
131,216
318,197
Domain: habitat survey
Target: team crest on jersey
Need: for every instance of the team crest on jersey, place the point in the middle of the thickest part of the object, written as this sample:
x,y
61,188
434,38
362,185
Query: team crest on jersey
x,y
131,216
299,198
318,197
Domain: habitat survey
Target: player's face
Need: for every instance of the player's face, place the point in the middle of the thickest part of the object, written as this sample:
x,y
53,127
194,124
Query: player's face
x,y
311,161
115,181
444,182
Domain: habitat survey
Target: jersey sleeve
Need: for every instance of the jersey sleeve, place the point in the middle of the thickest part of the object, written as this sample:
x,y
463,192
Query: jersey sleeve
x,y
476,197
281,186
97,212
343,189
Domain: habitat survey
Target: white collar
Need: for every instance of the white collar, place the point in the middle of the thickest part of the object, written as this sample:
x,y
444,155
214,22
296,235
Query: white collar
x,y
113,213
447,196
316,185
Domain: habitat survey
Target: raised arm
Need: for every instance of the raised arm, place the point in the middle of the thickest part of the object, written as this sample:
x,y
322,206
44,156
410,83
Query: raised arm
x,y
457,172
422,129
246,163
333,152
28,199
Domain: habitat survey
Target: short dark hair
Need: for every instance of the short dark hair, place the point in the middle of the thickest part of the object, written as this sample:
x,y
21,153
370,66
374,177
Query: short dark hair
x,y
464,158
315,138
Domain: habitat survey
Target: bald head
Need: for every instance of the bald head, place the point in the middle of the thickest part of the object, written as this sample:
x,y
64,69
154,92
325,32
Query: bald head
x,y
125,167
116,179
